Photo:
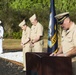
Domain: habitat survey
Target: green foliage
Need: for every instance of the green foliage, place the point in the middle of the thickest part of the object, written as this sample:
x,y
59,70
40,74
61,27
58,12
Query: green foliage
x,y
65,5
21,4
5,35
12,12
15,35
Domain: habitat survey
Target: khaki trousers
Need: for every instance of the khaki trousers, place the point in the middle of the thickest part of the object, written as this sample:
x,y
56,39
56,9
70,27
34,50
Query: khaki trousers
x,y
38,46
25,50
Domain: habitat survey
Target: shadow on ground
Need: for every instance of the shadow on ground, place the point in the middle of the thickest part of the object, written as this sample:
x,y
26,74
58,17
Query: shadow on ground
x,y
16,50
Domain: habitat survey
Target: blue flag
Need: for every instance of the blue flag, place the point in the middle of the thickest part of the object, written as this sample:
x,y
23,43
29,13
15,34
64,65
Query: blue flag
x,y
52,30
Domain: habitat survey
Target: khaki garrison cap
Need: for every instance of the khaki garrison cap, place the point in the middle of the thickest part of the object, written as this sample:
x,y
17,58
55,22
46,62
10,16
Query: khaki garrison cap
x,y
32,18
61,17
22,23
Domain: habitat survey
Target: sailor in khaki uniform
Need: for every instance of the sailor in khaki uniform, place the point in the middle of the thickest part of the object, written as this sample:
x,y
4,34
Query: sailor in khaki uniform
x,y
25,40
68,39
36,35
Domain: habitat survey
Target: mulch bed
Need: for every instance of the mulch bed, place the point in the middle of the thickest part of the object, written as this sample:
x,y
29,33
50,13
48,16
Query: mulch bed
x,y
8,67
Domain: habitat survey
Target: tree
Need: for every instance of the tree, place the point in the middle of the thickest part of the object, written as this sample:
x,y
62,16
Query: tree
x,y
13,11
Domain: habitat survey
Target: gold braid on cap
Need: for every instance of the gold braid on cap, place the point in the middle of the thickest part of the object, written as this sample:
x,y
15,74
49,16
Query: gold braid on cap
x,y
62,19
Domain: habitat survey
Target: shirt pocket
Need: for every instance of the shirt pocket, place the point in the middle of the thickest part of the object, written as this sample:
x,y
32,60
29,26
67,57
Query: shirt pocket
x,y
34,30
69,39
25,34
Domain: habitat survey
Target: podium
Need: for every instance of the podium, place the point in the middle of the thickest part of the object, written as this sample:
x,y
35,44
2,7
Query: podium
x,y
43,64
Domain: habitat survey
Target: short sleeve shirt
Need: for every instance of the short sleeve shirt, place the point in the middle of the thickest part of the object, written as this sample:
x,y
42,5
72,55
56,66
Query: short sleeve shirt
x,y
68,40
36,31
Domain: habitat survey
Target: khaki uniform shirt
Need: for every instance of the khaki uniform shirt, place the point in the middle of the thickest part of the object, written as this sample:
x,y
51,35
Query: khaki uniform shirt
x,y
68,40
35,32
25,35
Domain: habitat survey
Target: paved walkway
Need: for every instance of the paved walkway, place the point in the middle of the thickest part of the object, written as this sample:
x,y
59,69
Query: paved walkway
x,y
16,56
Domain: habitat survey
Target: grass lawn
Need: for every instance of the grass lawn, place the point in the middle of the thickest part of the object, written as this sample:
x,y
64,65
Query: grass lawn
x,y
14,44
11,44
